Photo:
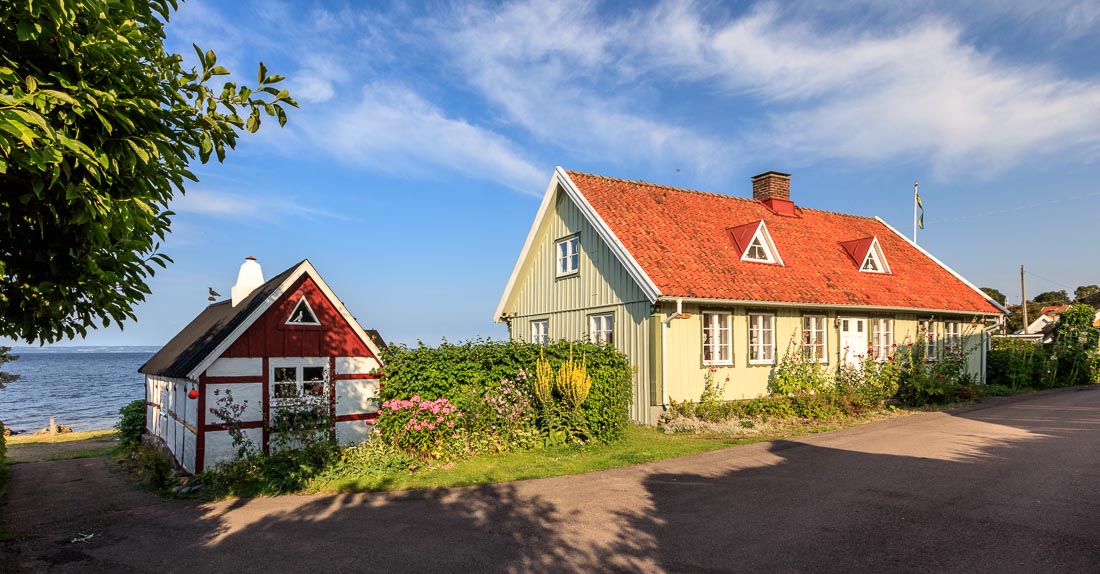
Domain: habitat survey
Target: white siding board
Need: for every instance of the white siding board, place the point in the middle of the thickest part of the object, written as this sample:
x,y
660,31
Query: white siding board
x,y
352,432
236,367
356,396
356,365
242,392
219,446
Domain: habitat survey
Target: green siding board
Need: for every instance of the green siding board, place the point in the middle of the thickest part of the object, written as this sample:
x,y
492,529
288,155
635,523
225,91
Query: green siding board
x,y
601,285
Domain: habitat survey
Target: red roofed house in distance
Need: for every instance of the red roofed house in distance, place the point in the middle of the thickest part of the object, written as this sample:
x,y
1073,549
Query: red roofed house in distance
x,y
684,281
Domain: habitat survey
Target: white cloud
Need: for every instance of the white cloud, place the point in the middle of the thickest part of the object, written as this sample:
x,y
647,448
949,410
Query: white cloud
x,y
246,207
393,129
575,77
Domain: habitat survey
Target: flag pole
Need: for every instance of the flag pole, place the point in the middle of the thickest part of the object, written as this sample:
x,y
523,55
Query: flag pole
x,y
915,212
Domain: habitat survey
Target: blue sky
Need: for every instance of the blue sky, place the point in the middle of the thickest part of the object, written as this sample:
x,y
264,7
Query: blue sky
x,y
427,133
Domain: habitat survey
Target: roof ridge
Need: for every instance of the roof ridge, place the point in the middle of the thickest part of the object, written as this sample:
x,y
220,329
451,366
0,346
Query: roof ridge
x,y
708,193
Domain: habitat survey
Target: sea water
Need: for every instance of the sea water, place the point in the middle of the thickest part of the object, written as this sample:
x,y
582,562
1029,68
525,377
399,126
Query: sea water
x,y
83,389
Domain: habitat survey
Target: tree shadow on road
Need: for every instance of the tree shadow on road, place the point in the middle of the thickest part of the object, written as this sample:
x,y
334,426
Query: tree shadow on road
x,y
1018,492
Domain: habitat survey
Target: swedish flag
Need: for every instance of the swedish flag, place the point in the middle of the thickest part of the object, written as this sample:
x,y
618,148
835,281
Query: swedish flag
x,y
920,220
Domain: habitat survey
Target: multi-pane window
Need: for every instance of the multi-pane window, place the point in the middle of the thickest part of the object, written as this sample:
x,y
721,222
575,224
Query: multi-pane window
x,y
757,251
930,338
540,331
717,339
568,255
601,327
813,339
761,338
952,335
882,338
297,381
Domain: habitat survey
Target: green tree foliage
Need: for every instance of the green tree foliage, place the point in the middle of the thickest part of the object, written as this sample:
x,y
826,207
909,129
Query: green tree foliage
x,y
98,127
1015,320
1052,298
995,295
6,357
1085,292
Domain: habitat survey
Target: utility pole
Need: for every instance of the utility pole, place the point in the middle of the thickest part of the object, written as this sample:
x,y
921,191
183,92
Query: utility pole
x,y
1023,297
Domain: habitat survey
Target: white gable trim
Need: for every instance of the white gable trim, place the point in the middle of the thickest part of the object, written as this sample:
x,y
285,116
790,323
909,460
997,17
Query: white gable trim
x,y
941,264
769,246
304,268
562,179
874,251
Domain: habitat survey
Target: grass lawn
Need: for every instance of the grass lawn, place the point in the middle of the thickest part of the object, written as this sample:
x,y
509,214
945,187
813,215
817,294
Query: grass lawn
x,y
641,444
46,447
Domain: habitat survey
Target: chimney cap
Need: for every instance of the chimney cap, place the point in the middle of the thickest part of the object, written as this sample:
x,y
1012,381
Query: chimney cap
x,y
250,258
771,173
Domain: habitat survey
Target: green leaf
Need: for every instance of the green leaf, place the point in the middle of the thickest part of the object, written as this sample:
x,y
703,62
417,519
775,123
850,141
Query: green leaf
x,y
219,71
32,84
261,74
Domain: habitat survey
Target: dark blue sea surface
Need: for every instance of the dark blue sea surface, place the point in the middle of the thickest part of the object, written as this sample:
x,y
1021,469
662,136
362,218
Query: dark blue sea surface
x,y
81,389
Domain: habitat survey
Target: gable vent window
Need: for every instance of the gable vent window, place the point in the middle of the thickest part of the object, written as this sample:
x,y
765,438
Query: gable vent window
x,y
568,256
303,314
754,243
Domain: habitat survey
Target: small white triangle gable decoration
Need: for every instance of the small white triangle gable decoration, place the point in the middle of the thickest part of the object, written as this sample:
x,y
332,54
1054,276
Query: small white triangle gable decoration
x,y
874,261
761,248
303,314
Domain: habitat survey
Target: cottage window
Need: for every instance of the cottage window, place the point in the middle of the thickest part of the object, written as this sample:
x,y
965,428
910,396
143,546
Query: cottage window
x,y
813,339
540,331
298,381
952,335
761,339
569,255
761,248
930,339
717,339
601,328
302,314
882,338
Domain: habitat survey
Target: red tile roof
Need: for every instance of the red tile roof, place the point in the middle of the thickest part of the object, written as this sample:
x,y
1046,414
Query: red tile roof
x,y
1054,309
682,240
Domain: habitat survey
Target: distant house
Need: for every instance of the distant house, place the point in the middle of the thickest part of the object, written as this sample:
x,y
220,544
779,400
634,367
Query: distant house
x,y
686,282
269,343
1043,325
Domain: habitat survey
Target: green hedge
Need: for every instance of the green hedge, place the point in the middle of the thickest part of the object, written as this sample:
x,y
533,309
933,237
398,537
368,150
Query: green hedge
x,y
462,372
131,423
3,445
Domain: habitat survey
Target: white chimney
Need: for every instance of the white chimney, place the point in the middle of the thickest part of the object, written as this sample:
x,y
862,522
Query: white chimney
x,y
248,279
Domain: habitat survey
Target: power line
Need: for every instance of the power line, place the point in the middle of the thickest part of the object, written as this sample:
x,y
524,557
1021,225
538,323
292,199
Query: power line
x,y
1048,280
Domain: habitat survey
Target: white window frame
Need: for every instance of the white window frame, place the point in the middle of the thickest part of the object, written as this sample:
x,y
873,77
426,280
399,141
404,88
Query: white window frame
x,y
540,331
771,254
952,334
761,338
601,328
931,339
303,302
715,324
815,338
298,364
882,339
568,256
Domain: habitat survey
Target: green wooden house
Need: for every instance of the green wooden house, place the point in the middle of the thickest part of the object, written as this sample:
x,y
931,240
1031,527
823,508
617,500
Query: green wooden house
x,y
686,282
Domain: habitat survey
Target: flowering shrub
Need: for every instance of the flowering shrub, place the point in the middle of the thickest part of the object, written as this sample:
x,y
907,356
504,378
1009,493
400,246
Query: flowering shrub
x,y
794,374
425,428
302,422
503,419
229,412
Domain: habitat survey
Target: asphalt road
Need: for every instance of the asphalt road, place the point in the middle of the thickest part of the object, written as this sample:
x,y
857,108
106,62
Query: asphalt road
x,y
1007,486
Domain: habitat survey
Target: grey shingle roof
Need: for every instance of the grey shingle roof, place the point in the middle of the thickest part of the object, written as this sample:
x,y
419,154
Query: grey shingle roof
x,y
201,336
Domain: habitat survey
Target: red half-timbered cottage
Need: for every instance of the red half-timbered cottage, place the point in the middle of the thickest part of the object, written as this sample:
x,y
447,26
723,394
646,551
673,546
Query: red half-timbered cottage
x,y
271,341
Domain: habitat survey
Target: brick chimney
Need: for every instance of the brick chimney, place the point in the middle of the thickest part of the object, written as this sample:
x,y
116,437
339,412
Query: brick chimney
x,y
773,189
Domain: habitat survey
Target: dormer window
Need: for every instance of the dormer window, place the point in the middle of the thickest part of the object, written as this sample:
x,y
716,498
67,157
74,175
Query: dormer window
x,y
755,243
868,254
303,314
